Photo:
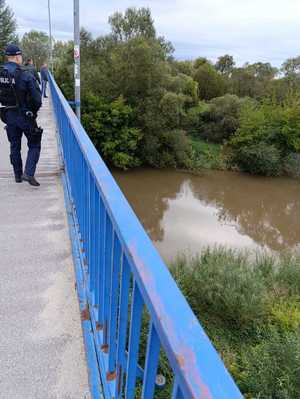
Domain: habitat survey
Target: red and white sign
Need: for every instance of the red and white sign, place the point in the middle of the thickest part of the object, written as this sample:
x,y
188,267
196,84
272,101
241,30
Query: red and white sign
x,y
76,52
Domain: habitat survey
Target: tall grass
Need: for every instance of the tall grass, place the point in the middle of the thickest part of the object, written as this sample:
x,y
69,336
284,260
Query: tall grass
x,y
251,311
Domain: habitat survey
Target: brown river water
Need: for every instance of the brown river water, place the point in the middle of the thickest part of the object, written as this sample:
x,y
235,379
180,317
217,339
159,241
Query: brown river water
x,y
184,212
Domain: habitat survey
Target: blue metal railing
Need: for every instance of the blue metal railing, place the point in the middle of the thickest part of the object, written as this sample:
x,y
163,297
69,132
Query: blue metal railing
x,y
124,276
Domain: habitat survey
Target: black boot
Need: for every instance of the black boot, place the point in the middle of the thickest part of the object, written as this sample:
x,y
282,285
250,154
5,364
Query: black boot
x,y
18,178
31,180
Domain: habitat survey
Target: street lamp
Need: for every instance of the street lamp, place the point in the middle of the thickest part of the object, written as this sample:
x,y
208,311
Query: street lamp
x,y
50,37
77,57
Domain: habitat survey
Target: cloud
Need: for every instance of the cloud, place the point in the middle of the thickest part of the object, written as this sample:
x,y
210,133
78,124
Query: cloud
x,y
251,30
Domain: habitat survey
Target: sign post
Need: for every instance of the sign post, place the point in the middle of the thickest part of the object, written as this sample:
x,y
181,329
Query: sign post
x,y
77,57
50,37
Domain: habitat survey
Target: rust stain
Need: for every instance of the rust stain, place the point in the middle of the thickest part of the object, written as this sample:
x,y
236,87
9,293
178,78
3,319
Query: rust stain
x,y
111,376
104,348
119,379
189,368
99,327
85,314
193,372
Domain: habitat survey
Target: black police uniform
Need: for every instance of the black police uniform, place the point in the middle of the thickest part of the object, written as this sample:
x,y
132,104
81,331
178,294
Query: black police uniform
x,y
22,119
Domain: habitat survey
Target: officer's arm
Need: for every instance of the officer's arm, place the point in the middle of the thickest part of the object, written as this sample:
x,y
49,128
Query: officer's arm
x,y
35,94
37,76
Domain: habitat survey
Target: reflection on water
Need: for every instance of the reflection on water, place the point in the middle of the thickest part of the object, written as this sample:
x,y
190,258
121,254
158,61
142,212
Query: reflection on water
x,y
185,212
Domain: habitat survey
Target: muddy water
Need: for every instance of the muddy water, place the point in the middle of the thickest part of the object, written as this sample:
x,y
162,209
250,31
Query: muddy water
x,y
185,212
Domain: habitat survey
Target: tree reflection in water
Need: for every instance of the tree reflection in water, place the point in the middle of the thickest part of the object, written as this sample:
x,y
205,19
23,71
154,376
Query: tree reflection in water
x,y
182,211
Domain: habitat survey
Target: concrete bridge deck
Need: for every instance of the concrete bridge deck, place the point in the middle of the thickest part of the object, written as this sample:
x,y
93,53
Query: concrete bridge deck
x,y
41,344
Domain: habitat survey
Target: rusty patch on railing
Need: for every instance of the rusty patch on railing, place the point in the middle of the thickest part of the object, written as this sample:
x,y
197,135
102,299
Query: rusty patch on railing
x,y
85,314
99,327
119,379
111,376
104,348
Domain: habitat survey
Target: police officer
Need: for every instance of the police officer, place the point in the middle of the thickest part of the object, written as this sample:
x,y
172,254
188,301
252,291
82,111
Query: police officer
x,y
31,68
44,77
20,97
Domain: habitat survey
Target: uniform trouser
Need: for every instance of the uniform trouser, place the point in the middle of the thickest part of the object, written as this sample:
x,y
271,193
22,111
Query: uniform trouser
x,y
16,126
44,88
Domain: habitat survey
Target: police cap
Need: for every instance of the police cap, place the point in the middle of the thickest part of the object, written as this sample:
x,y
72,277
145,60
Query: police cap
x,y
12,50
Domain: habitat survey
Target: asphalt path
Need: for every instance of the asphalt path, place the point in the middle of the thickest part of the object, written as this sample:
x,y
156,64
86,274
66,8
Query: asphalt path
x,y
41,345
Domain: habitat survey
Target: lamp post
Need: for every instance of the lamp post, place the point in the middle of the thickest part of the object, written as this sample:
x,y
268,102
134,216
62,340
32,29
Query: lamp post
x,y
50,37
77,57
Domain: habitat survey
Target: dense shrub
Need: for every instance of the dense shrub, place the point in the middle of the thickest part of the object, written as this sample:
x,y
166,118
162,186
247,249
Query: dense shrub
x,y
268,134
172,109
207,155
291,165
232,293
259,159
110,127
168,149
272,368
251,311
221,118
210,83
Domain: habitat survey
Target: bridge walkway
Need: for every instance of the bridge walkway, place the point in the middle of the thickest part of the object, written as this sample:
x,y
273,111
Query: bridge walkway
x,y
41,345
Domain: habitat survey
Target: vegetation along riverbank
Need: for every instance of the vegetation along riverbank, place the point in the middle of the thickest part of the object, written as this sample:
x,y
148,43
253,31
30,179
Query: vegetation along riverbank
x,y
141,106
251,311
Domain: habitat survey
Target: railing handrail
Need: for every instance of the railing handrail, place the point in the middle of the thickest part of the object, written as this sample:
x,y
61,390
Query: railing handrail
x,y
199,370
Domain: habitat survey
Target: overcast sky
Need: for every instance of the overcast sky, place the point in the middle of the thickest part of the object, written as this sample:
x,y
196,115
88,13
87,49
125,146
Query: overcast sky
x,y
250,30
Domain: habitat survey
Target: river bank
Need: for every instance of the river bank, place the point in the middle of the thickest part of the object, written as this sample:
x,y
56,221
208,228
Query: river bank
x,y
251,312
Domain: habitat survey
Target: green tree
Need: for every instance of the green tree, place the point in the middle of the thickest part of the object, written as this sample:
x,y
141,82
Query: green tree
x,y
268,134
263,70
243,82
291,67
133,23
210,83
35,45
201,61
110,127
221,118
225,64
7,27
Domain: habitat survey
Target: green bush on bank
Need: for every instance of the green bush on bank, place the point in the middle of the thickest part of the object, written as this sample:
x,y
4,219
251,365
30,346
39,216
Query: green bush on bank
x,y
268,139
206,155
110,127
251,311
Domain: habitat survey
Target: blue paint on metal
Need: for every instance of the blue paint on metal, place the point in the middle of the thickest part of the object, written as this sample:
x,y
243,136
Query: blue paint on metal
x,y
134,340
93,366
196,365
123,318
151,364
107,277
114,299
177,394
